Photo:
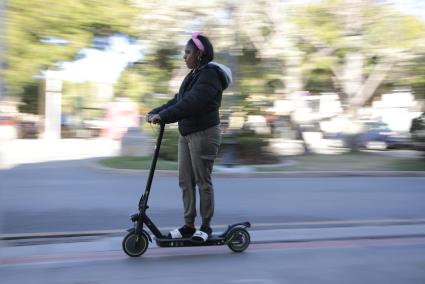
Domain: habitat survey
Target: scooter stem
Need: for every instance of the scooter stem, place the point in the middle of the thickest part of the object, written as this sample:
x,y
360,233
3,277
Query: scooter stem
x,y
144,199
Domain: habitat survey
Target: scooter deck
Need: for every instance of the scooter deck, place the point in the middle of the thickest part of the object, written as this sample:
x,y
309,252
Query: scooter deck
x,y
214,240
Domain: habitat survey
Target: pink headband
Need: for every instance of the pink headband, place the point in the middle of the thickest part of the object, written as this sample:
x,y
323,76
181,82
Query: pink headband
x,y
196,41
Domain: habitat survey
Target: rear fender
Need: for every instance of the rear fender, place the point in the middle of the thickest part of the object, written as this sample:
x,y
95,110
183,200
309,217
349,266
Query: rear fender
x,y
233,226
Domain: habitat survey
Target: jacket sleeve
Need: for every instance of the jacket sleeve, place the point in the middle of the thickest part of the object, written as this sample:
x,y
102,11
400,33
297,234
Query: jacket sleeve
x,y
164,106
203,92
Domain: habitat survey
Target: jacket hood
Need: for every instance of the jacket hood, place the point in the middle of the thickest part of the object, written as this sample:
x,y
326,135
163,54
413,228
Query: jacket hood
x,y
225,73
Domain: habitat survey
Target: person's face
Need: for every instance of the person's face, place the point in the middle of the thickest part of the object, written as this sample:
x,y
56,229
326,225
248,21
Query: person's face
x,y
190,56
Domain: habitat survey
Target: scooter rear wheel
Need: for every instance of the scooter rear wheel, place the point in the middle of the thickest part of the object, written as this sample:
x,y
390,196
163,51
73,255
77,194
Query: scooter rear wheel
x,y
133,245
238,240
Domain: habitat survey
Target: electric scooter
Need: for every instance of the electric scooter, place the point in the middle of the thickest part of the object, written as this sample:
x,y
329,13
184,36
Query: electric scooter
x,y
136,242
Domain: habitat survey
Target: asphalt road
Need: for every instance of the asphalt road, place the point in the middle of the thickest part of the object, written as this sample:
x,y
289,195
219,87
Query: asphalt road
x,y
333,243
390,261
71,196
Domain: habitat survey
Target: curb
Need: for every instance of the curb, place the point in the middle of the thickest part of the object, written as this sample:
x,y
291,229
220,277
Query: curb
x,y
340,233
257,227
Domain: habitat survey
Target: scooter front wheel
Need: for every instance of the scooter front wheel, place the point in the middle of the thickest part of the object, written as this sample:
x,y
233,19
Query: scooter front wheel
x,y
238,239
134,245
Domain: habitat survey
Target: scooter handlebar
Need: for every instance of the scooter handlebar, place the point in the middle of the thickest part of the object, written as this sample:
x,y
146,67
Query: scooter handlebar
x,y
153,118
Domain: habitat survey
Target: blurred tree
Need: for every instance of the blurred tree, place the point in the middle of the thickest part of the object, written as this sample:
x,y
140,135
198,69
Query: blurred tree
x,y
170,25
76,96
164,30
416,75
141,81
365,43
333,45
357,38
42,32
131,84
268,27
29,99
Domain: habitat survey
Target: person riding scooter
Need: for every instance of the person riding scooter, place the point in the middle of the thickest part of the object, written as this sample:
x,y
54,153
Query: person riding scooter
x,y
196,109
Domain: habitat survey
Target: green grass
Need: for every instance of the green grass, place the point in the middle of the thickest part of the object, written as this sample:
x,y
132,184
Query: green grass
x,y
348,162
409,164
343,162
137,163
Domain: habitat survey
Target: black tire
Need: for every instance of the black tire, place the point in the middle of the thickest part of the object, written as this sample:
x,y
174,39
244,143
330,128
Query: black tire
x,y
238,240
135,248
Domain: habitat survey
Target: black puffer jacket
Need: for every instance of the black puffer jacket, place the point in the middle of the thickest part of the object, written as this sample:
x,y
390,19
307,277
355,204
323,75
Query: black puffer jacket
x,y
196,105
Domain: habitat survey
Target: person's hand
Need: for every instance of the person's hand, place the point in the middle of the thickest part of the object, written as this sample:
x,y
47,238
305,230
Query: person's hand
x,y
149,117
155,119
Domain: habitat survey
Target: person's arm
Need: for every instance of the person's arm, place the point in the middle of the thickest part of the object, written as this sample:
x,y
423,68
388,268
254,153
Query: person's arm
x,y
153,116
164,106
203,92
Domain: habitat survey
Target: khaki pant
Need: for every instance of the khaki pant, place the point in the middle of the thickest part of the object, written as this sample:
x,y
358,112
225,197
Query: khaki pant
x,y
197,152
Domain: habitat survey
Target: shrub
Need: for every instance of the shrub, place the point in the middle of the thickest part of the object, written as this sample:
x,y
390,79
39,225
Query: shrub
x,y
248,148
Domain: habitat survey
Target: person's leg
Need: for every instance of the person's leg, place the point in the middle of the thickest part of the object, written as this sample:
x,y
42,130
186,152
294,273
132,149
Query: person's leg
x,y
187,182
203,148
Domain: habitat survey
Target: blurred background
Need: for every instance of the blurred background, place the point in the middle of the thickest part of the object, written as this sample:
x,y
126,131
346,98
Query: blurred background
x,y
310,77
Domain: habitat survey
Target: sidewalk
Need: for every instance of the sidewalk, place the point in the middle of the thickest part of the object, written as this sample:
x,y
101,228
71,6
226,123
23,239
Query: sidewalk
x,y
25,151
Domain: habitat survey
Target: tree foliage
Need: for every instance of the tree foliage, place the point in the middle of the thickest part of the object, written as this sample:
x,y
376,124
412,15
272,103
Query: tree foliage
x,y
269,45
42,32
357,34
415,76
142,81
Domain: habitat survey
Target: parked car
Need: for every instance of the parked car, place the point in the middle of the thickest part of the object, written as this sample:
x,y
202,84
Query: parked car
x,y
374,135
417,132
